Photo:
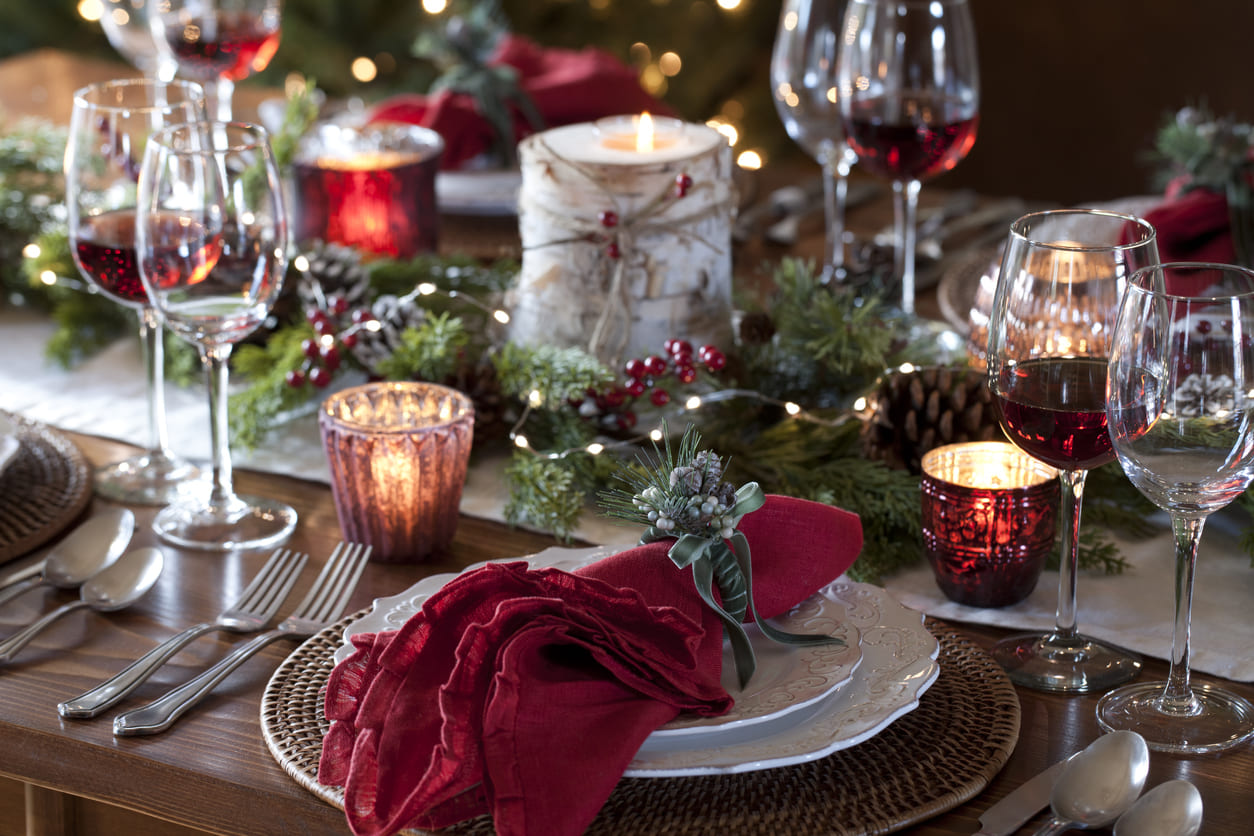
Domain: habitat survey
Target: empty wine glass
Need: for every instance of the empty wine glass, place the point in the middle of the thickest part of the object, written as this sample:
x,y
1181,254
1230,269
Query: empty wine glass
x,y
910,99
109,126
218,42
1180,400
1062,276
803,85
127,25
212,239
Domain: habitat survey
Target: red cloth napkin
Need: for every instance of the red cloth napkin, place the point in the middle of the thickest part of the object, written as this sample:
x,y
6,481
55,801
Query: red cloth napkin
x,y
566,86
1192,225
525,694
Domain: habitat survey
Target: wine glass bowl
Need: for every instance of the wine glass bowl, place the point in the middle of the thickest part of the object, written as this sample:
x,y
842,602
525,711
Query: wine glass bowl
x,y
1061,279
1180,404
804,89
212,239
127,25
218,42
909,99
109,126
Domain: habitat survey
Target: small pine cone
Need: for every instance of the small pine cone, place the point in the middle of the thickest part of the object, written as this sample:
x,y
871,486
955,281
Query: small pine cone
x,y
756,328
910,413
333,270
480,384
394,317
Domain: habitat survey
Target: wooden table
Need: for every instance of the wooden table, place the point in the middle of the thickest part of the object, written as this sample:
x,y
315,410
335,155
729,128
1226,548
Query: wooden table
x,y
213,772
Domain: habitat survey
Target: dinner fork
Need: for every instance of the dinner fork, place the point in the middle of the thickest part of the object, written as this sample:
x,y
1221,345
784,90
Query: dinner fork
x,y
257,604
324,603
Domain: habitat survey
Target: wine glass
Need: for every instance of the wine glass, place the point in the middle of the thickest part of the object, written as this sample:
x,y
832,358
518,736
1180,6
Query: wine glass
x,y
910,99
212,239
803,85
218,42
127,25
109,125
1180,400
1062,276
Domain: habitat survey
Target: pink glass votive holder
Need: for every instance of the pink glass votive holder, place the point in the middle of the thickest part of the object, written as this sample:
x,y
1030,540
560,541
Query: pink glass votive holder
x,y
371,187
990,513
398,454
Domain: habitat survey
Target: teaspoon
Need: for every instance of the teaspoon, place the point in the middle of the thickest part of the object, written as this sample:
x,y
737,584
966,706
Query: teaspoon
x,y
118,585
1173,808
85,551
1099,783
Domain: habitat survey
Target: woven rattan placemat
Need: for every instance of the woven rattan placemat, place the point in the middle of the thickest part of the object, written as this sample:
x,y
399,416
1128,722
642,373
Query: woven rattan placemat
x,y
933,759
43,490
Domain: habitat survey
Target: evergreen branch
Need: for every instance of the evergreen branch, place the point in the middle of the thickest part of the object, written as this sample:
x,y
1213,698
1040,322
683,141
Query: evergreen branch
x,y
544,493
557,374
429,352
256,410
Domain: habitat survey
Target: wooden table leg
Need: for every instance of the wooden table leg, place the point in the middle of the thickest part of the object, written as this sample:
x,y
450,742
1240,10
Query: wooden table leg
x,y
48,812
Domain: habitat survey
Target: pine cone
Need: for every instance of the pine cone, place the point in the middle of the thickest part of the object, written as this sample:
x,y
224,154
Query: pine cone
x,y
756,328
480,384
911,413
394,317
333,270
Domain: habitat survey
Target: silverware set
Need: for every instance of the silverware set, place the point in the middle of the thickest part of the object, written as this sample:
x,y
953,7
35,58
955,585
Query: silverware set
x,y
121,579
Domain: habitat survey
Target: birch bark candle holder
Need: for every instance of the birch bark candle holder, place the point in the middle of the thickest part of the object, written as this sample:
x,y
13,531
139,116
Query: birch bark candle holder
x,y
626,242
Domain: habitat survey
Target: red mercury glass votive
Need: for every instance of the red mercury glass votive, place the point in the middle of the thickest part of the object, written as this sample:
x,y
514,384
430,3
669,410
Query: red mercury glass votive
x,y
990,514
398,454
371,187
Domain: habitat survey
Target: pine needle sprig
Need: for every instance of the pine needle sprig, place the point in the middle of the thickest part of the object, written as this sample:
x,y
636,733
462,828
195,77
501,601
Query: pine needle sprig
x,y
545,494
429,352
555,374
257,409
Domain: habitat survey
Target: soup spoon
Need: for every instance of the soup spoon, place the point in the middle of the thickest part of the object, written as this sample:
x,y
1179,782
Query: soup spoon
x,y
1173,808
115,587
1099,783
85,551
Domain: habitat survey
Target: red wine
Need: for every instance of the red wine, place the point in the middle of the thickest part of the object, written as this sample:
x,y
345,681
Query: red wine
x,y
104,248
231,45
384,204
1055,410
909,136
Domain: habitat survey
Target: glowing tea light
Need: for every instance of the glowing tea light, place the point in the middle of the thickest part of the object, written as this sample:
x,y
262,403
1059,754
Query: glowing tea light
x,y
989,515
642,134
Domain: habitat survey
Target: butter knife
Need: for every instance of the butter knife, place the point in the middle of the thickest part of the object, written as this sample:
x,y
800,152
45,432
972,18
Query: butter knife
x,y
1023,802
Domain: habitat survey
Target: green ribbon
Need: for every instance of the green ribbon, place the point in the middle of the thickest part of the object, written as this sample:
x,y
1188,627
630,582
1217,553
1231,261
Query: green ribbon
x,y
712,559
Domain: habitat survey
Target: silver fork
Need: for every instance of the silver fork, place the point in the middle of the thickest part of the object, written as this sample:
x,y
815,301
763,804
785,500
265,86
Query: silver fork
x,y
257,604
324,603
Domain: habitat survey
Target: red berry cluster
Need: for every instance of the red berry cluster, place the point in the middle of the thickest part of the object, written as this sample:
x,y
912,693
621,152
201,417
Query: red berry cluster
x,y
614,406
609,219
336,329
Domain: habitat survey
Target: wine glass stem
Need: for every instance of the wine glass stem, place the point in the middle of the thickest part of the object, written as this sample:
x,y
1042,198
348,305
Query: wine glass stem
x,y
1072,485
215,360
223,92
835,193
153,351
1187,532
905,211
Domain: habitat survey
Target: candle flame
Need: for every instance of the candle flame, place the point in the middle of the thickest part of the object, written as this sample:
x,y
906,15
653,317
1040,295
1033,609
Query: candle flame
x,y
644,132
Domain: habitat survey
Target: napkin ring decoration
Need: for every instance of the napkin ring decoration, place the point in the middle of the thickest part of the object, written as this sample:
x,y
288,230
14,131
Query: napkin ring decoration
x,y
683,496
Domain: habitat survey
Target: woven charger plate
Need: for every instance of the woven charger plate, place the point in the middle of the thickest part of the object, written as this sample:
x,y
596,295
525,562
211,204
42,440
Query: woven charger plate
x,y
933,759
45,488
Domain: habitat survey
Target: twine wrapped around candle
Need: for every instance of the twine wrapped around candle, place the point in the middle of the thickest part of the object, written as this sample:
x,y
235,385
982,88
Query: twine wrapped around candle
x,y
622,251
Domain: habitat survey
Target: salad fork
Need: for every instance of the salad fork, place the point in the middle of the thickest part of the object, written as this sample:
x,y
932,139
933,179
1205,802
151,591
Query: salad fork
x,y
324,603
256,606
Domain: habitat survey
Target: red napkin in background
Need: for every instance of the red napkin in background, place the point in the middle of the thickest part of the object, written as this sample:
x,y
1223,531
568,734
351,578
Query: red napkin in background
x,y
566,86
525,694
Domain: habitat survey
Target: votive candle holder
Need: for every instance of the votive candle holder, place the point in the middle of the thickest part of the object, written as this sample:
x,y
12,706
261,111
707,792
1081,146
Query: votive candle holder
x,y
990,517
398,454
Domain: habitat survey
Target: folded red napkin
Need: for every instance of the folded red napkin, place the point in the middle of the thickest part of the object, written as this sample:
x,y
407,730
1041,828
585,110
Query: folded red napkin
x,y
525,694
1191,225
566,87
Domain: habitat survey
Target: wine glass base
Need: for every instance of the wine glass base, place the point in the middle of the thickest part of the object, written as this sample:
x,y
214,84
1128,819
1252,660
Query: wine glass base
x,y
147,479
1066,665
1214,720
242,522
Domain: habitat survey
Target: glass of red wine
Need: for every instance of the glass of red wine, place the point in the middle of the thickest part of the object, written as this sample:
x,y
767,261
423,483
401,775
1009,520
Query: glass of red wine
x,y
109,126
218,42
212,240
1062,276
909,96
803,86
1181,410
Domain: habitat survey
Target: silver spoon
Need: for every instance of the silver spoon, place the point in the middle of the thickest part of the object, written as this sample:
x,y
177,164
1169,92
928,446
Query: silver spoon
x,y
1099,783
1173,808
85,551
118,585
